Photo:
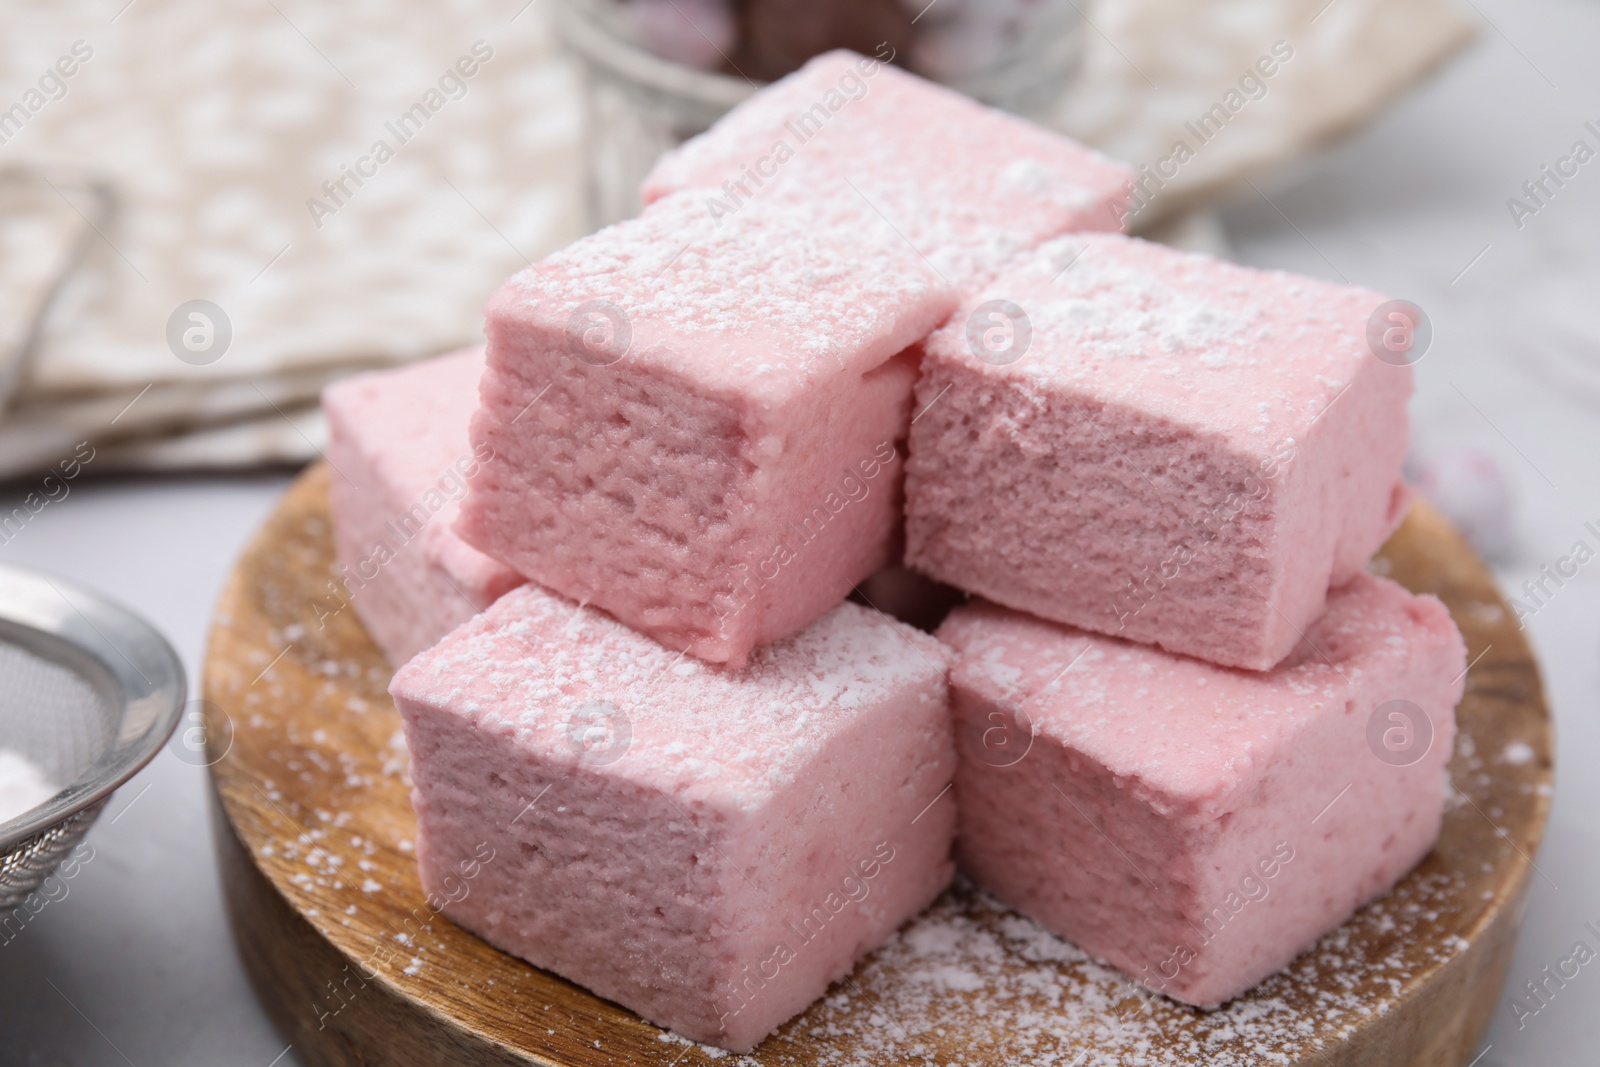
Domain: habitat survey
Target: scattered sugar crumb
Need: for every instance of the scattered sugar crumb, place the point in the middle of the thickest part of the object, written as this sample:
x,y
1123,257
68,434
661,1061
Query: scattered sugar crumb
x,y
971,981
1517,753
997,988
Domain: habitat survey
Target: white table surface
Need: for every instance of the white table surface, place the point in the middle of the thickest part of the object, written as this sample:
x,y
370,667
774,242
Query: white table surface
x,y
136,966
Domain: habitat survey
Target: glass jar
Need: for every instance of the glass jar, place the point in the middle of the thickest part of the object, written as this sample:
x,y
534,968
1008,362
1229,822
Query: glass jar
x,y
1012,54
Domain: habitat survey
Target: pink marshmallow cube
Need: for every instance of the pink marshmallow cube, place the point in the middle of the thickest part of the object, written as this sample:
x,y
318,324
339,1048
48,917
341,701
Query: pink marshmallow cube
x,y
706,846
1157,445
966,185
1196,826
397,442
699,426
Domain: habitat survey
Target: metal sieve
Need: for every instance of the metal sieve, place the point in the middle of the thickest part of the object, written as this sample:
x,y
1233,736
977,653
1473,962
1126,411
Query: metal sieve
x,y
89,692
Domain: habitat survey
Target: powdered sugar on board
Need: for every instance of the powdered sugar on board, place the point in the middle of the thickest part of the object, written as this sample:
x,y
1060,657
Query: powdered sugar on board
x,y
967,983
972,982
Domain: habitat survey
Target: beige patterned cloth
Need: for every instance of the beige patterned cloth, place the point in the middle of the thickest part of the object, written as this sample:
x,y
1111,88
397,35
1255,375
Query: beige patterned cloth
x,y
242,144
1156,71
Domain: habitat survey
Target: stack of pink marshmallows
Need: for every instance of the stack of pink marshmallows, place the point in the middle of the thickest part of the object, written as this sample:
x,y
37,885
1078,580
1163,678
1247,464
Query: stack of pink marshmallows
x,y
861,320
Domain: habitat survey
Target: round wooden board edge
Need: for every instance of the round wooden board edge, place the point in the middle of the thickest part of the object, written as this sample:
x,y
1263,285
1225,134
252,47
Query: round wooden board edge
x,y
1464,991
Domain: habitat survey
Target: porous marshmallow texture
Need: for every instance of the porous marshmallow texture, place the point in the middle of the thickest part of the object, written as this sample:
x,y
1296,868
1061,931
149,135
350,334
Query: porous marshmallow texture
x,y
397,443
699,425
1157,445
708,846
1197,826
966,185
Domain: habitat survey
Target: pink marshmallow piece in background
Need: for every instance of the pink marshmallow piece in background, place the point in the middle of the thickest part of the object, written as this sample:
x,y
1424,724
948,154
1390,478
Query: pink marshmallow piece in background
x,y
966,185
1195,826
698,426
397,443
708,847
1158,445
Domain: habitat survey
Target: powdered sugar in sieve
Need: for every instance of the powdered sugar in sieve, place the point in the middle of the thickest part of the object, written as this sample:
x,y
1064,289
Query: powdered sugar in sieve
x,y
88,694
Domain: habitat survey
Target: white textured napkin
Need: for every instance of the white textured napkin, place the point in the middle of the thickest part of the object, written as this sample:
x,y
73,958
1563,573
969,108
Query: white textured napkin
x,y
242,141
1163,73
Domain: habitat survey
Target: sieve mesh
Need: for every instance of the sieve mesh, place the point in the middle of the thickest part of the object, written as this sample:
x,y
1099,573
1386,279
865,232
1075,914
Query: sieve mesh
x,y
51,714
64,724
88,695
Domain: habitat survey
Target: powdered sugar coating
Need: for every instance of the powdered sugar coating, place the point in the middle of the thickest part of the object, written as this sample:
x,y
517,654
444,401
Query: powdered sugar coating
x,y
1253,356
1181,732
770,300
530,662
724,465
1157,445
966,185
1194,825
708,847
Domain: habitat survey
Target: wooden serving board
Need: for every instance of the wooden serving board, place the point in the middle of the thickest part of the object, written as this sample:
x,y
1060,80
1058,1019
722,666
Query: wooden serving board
x,y
315,833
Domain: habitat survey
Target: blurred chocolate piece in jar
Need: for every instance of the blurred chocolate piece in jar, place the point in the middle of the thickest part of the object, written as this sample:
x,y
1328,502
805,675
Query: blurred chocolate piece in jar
x,y
780,35
961,38
696,33
1017,55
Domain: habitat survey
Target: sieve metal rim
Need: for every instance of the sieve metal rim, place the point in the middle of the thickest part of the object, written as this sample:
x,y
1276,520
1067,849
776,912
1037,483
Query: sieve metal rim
x,y
137,669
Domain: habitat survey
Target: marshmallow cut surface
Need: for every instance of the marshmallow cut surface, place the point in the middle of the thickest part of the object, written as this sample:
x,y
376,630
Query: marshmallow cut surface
x,y
1197,826
966,185
397,440
699,426
1157,445
707,846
